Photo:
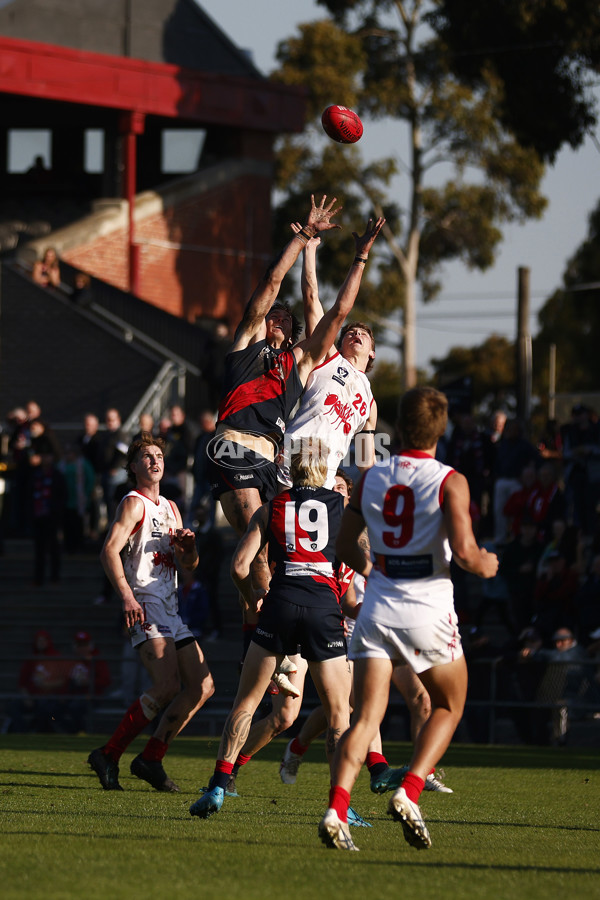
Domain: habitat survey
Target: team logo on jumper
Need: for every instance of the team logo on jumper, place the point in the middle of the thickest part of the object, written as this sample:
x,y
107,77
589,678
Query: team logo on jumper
x,y
165,563
340,413
341,376
156,532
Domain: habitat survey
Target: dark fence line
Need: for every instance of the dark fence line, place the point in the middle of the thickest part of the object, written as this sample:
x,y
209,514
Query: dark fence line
x,y
541,698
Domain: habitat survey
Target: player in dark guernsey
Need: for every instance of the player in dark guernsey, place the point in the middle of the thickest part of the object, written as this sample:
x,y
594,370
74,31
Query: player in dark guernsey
x,y
301,609
265,374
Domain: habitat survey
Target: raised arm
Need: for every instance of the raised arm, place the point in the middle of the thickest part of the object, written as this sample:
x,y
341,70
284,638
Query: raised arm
x,y
253,321
313,310
313,348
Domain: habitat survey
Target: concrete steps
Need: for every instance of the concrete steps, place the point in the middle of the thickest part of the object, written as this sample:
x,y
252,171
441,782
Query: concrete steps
x,y
68,606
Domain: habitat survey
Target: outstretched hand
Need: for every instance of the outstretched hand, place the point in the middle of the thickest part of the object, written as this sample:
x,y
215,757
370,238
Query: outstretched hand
x,y
319,216
365,241
314,241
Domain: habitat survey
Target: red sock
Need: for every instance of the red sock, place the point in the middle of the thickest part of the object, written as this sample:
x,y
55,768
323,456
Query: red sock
x,y
242,760
128,728
339,799
298,748
413,785
155,750
375,759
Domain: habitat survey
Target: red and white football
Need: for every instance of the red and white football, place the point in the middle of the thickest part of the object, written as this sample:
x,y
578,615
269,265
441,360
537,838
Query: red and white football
x,y
342,124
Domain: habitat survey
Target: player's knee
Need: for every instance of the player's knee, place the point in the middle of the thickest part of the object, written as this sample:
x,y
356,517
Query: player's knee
x,y
423,705
284,719
205,691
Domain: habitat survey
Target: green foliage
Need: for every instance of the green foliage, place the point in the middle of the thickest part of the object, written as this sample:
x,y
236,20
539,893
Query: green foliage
x,y
381,59
538,53
492,367
327,61
522,822
570,319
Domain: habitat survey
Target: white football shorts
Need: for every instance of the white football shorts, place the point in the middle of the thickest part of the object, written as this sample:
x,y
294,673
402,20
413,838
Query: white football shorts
x,y
159,624
434,644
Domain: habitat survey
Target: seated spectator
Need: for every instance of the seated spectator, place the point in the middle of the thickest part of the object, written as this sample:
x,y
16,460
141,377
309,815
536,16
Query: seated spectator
x,y
41,679
564,538
87,677
562,685
553,602
512,453
466,452
202,493
550,442
494,595
46,271
519,502
47,502
82,290
145,424
587,605
43,440
180,447
547,503
518,569
531,722
581,454
80,479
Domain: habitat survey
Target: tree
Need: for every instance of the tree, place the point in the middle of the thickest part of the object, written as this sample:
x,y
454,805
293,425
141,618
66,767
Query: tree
x,y
570,319
539,56
379,57
491,367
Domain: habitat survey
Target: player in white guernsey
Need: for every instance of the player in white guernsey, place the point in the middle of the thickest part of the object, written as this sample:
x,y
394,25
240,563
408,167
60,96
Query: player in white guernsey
x,y
337,402
336,405
417,514
144,545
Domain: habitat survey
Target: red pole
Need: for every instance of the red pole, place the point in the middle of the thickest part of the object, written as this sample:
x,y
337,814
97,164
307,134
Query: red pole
x,y
132,124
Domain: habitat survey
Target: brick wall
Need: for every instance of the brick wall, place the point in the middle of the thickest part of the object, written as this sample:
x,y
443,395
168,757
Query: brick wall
x,y
201,256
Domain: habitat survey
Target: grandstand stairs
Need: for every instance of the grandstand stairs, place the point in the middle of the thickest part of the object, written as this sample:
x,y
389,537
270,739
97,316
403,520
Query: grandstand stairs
x,y
67,607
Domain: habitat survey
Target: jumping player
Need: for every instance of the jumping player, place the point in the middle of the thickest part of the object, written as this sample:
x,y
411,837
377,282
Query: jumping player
x,y
337,404
264,379
417,513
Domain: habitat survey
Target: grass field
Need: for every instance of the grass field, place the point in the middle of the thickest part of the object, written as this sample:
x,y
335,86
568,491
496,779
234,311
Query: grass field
x,y
523,822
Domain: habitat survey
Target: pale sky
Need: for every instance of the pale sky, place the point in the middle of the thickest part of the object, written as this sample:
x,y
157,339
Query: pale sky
x,y
472,305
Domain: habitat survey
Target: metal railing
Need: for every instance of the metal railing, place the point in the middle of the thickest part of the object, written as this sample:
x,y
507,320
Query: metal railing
x,y
561,709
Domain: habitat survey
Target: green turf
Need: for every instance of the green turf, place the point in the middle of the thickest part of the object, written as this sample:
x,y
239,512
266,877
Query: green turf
x,y
523,823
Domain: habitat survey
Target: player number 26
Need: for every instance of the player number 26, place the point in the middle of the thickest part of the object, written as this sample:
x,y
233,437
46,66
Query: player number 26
x,y
399,513
359,404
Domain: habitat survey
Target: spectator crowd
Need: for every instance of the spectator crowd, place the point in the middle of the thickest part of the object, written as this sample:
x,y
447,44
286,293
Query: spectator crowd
x,y
536,504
